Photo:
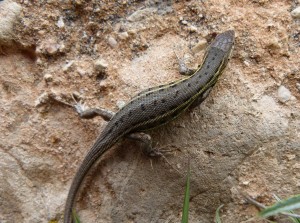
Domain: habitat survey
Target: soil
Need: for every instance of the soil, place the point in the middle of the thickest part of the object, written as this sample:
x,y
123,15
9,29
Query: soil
x,y
244,139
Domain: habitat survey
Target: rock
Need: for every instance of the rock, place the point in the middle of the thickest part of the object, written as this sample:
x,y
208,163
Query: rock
x,y
184,22
296,12
77,95
273,43
246,62
61,47
290,156
9,13
193,28
51,48
81,71
48,77
123,35
112,42
100,65
78,2
60,23
298,86
284,94
121,104
140,14
68,66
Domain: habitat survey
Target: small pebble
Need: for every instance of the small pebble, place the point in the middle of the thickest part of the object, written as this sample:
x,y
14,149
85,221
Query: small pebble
x,y
62,47
42,32
193,28
51,48
296,166
123,35
298,86
9,13
67,66
296,12
121,104
291,156
273,43
60,23
184,22
39,61
48,77
141,14
284,94
81,71
76,94
78,2
103,84
100,65
112,42
246,62
246,182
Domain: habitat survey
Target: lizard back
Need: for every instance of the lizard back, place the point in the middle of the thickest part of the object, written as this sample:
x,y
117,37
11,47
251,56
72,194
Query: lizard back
x,y
156,106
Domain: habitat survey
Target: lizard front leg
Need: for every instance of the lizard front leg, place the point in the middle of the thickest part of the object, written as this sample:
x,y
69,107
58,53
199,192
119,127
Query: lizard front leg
x,y
143,138
89,113
183,68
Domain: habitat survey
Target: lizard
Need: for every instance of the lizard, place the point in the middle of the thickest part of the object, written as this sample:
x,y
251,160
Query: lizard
x,y
151,108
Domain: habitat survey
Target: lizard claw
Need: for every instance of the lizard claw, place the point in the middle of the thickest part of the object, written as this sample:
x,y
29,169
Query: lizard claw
x,y
80,107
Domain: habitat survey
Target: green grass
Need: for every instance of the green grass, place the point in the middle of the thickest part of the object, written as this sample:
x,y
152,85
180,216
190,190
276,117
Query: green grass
x,y
75,217
218,217
293,219
283,207
186,202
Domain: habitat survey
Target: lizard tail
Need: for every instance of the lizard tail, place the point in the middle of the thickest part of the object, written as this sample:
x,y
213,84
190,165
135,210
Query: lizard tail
x,y
96,151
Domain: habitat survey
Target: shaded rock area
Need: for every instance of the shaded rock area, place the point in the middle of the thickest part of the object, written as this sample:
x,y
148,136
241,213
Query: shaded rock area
x,y
244,138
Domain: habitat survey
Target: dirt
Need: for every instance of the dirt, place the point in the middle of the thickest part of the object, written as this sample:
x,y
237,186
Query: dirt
x,y
245,138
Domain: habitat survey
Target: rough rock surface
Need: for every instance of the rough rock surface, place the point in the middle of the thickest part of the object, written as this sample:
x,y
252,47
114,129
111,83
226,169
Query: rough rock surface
x,y
244,137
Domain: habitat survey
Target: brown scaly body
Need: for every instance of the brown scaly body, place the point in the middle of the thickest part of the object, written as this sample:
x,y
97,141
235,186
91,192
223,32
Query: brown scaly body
x,y
156,106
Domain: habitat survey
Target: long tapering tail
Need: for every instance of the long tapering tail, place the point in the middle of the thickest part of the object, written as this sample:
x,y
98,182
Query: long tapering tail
x,y
100,146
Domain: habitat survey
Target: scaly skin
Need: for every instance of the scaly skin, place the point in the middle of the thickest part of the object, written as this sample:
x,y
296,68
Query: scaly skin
x,y
156,106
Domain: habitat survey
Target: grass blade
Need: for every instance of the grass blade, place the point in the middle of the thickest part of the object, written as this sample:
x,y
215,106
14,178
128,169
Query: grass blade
x,y
293,219
75,217
217,217
186,203
282,206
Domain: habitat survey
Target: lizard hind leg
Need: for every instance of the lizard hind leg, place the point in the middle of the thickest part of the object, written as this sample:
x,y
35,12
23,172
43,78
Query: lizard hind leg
x,y
146,143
